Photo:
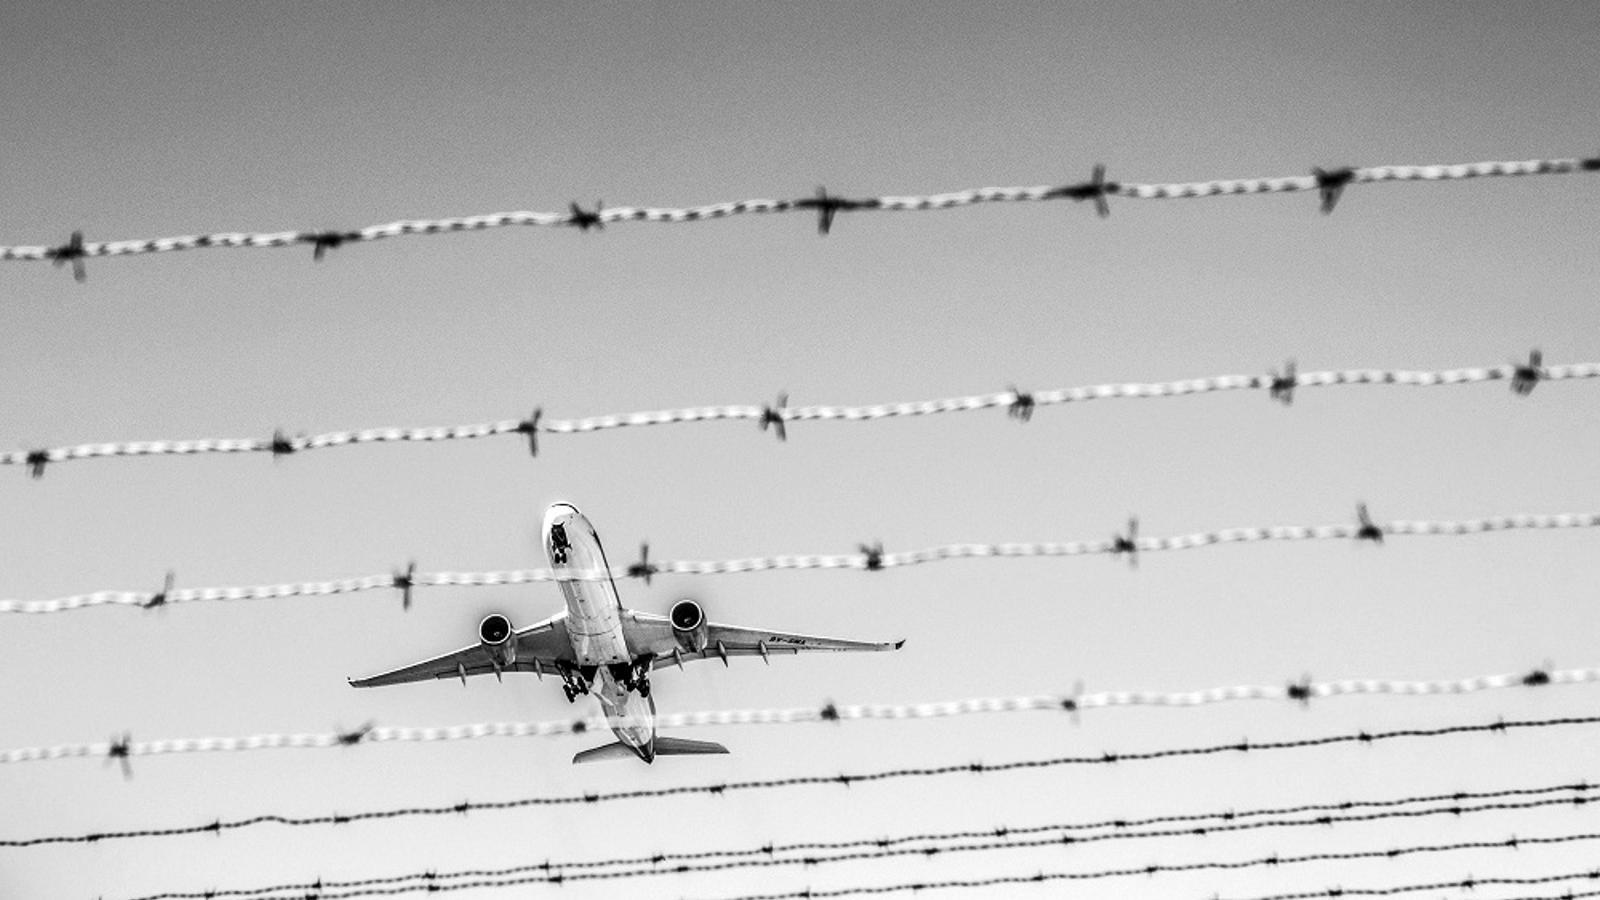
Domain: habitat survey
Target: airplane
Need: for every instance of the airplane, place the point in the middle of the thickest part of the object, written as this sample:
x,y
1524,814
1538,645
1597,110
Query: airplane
x,y
595,639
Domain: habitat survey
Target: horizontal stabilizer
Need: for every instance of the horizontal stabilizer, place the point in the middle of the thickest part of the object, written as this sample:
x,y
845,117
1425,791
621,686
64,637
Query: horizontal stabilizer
x,y
666,746
613,750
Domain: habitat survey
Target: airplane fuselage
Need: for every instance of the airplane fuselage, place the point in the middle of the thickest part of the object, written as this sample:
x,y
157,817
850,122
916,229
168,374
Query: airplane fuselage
x,y
594,624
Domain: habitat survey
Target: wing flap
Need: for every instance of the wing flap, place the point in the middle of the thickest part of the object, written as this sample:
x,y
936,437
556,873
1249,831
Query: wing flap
x,y
650,633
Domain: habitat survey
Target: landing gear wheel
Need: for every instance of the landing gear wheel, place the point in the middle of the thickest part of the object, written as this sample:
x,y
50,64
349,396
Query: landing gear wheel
x,y
644,687
572,696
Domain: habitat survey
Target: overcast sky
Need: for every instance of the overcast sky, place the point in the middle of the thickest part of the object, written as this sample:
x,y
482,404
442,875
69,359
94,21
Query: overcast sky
x,y
147,120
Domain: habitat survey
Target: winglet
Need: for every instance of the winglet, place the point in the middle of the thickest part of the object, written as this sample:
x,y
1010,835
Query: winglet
x,y
900,643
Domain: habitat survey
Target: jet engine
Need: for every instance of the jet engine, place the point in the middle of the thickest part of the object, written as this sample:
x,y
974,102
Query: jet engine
x,y
689,626
494,633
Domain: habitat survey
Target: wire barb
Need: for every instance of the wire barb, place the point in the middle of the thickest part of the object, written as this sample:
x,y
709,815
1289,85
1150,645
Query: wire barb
x,y
1525,378
584,219
282,445
1096,189
1330,184
160,598
872,556
404,580
1022,405
73,252
1282,386
37,460
643,567
323,241
355,735
119,750
530,427
1367,529
775,417
1128,544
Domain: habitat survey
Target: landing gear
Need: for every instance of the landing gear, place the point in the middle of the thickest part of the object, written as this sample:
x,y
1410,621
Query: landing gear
x,y
634,676
574,683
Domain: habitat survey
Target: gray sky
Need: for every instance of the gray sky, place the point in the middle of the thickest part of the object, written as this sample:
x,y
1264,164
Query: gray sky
x,y
148,120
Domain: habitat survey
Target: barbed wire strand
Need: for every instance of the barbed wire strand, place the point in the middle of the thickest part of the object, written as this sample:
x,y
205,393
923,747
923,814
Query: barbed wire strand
x,y
871,558
1019,405
439,884
769,856
1365,738
1328,183
1468,883
1301,692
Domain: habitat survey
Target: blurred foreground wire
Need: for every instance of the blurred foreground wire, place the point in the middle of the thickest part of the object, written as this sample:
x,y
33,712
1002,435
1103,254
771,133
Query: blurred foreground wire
x,y
1020,405
870,558
1301,692
1328,183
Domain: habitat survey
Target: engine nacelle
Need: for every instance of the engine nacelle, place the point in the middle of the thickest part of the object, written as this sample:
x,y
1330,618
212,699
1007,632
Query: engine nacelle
x,y
494,633
689,626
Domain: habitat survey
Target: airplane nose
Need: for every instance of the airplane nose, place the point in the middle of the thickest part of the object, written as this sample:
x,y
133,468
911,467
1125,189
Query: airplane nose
x,y
558,513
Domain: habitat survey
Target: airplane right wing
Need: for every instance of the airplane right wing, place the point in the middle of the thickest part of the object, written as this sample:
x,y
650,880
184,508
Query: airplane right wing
x,y
538,649
649,633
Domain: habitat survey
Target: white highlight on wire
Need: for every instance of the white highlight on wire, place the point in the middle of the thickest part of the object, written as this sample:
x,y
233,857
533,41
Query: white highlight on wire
x,y
1303,691
868,560
79,249
280,444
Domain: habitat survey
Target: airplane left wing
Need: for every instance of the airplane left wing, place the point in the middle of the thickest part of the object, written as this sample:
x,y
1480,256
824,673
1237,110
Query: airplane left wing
x,y
649,633
538,649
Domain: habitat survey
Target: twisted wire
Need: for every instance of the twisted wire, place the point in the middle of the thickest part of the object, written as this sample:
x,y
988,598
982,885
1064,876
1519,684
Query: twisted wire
x,y
1005,838
441,883
870,558
1327,183
1281,386
1468,883
1365,738
1302,692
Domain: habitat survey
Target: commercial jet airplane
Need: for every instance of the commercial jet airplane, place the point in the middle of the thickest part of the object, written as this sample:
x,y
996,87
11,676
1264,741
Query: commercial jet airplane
x,y
596,639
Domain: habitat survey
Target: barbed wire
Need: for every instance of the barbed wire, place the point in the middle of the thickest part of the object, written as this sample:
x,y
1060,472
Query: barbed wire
x,y
1302,691
443,883
1365,738
1020,405
1328,183
871,558
1468,883
773,856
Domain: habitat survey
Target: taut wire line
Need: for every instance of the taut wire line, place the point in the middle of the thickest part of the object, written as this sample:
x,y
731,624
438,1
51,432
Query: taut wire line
x,y
1275,860
1301,692
870,558
1364,738
994,839
1020,404
1328,183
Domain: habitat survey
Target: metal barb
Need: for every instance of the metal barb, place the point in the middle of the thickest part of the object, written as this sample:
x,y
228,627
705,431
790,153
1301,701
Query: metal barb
x,y
1330,184
1369,531
281,444
1282,386
1300,691
404,582
72,252
872,556
119,751
1128,543
643,568
826,206
1022,405
323,241
1096,189
773,416
165,594
354,736
829,712
1525,378
37,460
530,427
583,219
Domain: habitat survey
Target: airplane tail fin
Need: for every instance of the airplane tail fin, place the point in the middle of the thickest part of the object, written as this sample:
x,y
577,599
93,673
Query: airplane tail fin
x,y
613,750
666,746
